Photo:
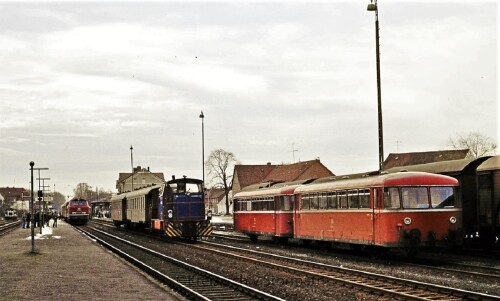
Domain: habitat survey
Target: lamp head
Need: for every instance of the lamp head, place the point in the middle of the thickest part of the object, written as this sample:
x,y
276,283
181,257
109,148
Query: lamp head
x,y
201,115
372,7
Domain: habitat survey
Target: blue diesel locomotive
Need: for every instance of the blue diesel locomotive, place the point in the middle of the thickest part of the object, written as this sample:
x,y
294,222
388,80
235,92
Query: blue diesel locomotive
x,y
176,208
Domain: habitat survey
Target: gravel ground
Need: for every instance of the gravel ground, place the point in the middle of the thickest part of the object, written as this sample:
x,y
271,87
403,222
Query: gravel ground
x,y
68,266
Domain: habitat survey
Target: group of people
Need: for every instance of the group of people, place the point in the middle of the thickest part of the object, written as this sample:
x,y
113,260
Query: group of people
x,y
42,219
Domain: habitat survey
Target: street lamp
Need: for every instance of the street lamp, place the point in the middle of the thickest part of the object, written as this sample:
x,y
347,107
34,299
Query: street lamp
x,y
373,7
32,214
203,148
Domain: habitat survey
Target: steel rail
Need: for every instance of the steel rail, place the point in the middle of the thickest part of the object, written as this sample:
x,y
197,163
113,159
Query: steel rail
x,y
388,285
9,227
187,286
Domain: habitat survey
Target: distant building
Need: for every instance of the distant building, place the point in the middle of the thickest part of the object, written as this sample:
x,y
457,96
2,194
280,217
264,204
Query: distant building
x,y
12,197
142,177
13,194
415,158
214,199
246,175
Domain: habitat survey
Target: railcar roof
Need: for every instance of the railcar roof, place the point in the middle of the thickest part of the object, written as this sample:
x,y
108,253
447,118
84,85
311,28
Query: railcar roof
x,y
492,163
437,167
267,191
139,192
401,178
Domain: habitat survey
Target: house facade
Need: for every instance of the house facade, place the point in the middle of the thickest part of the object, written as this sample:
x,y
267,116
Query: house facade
x,y
140,178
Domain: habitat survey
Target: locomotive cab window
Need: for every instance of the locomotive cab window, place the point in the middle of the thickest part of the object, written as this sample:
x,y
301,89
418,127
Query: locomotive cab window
x,y
442,197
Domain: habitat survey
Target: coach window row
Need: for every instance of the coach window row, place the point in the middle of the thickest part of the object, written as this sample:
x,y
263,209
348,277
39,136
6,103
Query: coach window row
x,y
419,197
256,204
340,199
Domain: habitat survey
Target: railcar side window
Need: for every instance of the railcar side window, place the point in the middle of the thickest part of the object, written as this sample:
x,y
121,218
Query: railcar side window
x,y
442,197
323,202
314,201
353,199
415,197
332,200
343,199
364,198
306,201
391,198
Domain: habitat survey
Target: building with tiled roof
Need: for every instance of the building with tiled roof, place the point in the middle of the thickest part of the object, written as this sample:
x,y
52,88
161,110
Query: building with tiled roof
x,y
13,194
405,159
142,177
246,175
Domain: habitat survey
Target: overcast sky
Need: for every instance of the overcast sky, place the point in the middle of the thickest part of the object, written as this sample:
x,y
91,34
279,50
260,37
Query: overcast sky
x,y
82,82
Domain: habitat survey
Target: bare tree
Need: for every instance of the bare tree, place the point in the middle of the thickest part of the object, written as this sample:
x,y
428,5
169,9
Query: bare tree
x,y
218,165
82,190
478,144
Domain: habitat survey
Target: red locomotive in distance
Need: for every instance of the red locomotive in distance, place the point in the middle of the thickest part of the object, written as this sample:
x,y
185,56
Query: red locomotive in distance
x,y
76,211
405,210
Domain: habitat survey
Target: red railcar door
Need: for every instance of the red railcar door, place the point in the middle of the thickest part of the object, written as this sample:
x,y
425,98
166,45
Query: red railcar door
x,y
377,216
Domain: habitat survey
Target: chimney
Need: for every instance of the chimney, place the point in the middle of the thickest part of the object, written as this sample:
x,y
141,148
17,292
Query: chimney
x,y
268,163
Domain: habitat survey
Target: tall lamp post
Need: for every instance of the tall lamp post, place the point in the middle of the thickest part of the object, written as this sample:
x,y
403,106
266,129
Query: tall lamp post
x,y
32,213
373,7
203,146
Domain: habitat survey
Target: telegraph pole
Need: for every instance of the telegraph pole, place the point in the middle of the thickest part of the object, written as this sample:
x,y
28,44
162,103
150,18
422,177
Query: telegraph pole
x,y
40,204
132,165
40,193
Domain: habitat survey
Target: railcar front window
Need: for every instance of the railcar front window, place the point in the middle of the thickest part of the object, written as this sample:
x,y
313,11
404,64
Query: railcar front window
x,y
415,198
391,198
442,197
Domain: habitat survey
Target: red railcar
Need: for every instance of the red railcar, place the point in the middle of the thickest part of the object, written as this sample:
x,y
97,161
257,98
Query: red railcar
x,y
76,211
405,210
266,212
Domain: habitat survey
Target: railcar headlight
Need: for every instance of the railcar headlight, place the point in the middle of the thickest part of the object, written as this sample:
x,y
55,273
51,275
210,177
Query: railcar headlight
x,y
453,220
407,221
170,214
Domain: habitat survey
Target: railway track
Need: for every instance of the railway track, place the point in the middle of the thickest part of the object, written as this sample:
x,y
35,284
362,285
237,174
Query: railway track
x,y
431,264
371,282
191,281
8,227
400,287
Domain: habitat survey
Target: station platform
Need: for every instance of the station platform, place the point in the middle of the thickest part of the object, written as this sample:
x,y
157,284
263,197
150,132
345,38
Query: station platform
x,y
66,265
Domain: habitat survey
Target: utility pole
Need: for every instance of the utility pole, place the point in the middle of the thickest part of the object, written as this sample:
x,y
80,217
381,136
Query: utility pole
x,y
40,194
373,7
293,151
132,165
42,187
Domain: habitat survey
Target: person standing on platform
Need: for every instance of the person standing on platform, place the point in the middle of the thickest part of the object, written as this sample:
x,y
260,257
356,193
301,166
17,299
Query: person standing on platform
x,y
23,220
54,225
28,219
37,219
